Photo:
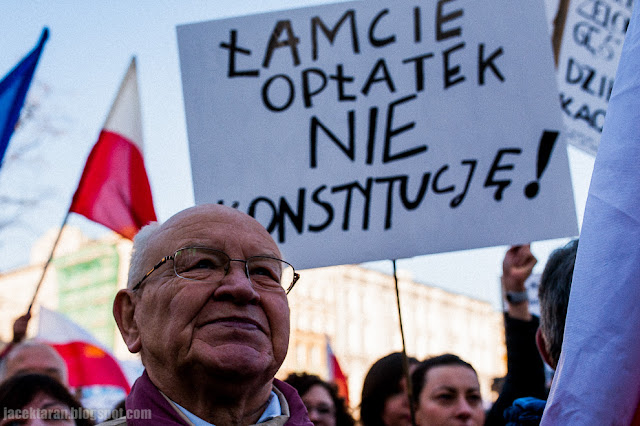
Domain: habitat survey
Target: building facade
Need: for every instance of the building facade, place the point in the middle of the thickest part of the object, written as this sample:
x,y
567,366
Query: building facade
x,y
356,310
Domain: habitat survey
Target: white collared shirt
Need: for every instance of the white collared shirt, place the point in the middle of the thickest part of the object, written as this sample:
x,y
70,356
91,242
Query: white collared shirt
x,y
273,410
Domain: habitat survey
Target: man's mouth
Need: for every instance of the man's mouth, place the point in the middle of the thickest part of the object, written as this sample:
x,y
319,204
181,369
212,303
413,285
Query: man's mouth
x,y
236,322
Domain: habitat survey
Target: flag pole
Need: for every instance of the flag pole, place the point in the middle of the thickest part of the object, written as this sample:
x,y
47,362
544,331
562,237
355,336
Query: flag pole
x,y
46,265
405,358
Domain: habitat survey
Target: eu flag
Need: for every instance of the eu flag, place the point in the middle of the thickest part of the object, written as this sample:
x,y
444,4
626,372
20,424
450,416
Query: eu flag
x,y
13,91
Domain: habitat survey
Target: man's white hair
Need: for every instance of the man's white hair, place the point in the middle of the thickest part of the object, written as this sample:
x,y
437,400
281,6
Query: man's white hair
x,y
140,243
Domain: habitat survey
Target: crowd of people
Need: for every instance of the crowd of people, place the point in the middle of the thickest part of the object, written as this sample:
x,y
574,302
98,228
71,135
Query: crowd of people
x,y
206,308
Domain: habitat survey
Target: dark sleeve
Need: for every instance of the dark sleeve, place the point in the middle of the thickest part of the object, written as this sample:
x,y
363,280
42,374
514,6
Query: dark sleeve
x,y
525,368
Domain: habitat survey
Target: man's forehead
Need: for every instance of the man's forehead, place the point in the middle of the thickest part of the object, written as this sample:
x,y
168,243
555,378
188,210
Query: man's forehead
x,y
213,224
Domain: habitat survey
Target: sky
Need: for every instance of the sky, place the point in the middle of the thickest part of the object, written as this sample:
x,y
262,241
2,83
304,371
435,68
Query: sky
x,y
89,49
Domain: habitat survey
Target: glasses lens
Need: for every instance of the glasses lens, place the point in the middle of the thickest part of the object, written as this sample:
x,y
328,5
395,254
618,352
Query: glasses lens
x,y
267,272
198,263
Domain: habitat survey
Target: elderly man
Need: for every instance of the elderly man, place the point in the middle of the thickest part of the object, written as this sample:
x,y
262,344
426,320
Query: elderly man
x,y
34,357
207,309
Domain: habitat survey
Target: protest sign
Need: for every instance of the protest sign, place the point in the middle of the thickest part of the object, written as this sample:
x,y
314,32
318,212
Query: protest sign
x,y
589,56
363,131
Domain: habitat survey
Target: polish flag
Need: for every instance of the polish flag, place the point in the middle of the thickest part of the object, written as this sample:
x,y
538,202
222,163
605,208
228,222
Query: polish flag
x,y
598,380
336,375
89,364
114,189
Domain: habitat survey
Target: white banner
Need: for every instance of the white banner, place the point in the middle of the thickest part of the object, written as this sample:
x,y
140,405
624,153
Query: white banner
x,y
597,381
363,131
589,56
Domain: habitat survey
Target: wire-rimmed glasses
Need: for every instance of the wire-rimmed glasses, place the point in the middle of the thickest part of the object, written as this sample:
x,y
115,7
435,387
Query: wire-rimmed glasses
x,y
207,264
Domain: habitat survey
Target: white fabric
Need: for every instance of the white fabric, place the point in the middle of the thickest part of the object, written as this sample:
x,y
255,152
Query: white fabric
x,y
125,116
598,380
273,409
56,328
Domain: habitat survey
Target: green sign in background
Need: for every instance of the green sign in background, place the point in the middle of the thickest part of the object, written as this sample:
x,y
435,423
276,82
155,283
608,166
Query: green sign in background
x,y
87,284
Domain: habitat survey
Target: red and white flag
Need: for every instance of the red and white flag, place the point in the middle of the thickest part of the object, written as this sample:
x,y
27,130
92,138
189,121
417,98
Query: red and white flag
x,y
89,364
114,189
336,375
598,377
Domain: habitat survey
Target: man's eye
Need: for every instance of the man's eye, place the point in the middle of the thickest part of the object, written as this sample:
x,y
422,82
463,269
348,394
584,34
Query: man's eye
x,y
263,273
205,264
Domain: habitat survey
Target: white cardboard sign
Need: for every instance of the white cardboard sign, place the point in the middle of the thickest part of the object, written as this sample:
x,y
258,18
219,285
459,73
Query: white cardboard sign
x,y
589,56
373,130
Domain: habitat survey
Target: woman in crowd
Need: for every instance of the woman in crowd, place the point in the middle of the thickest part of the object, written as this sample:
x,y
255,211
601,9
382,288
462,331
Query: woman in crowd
x,y
384,393
324,405
36,399
446,391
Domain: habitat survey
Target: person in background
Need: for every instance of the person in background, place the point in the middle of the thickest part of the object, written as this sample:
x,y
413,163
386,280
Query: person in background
x,y
38,399
446,391
34,357
19,333
324,405
553,293
206,307
525,370
385,400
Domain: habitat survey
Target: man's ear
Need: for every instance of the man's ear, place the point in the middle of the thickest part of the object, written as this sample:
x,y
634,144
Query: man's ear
x,y
124,308
542,348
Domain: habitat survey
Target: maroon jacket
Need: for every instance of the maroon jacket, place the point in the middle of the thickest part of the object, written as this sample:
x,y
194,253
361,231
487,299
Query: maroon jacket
x,y
145,396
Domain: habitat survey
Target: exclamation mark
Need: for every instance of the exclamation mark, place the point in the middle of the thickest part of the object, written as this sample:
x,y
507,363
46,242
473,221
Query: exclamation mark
x,y
547,141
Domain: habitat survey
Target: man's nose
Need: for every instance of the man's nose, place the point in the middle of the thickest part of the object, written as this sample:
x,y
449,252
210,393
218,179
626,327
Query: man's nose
x,y
237,285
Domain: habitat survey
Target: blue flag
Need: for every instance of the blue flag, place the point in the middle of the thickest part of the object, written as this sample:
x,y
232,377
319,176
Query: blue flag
x,y
13,91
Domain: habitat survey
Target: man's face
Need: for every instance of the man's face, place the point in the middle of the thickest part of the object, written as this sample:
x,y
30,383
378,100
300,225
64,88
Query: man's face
x,y
197,328
40,359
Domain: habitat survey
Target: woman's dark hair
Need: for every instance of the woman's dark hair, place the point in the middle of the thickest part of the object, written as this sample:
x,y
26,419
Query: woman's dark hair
x,y
18,391
304,381
419,375
382,381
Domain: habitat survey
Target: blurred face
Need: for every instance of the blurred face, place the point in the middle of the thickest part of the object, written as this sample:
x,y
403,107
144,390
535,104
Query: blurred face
x,y
396,410
320,406
37,359
42,410
194,329
451,396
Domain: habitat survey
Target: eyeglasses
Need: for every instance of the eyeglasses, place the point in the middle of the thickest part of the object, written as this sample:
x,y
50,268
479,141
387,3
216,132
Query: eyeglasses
x,y
207,264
